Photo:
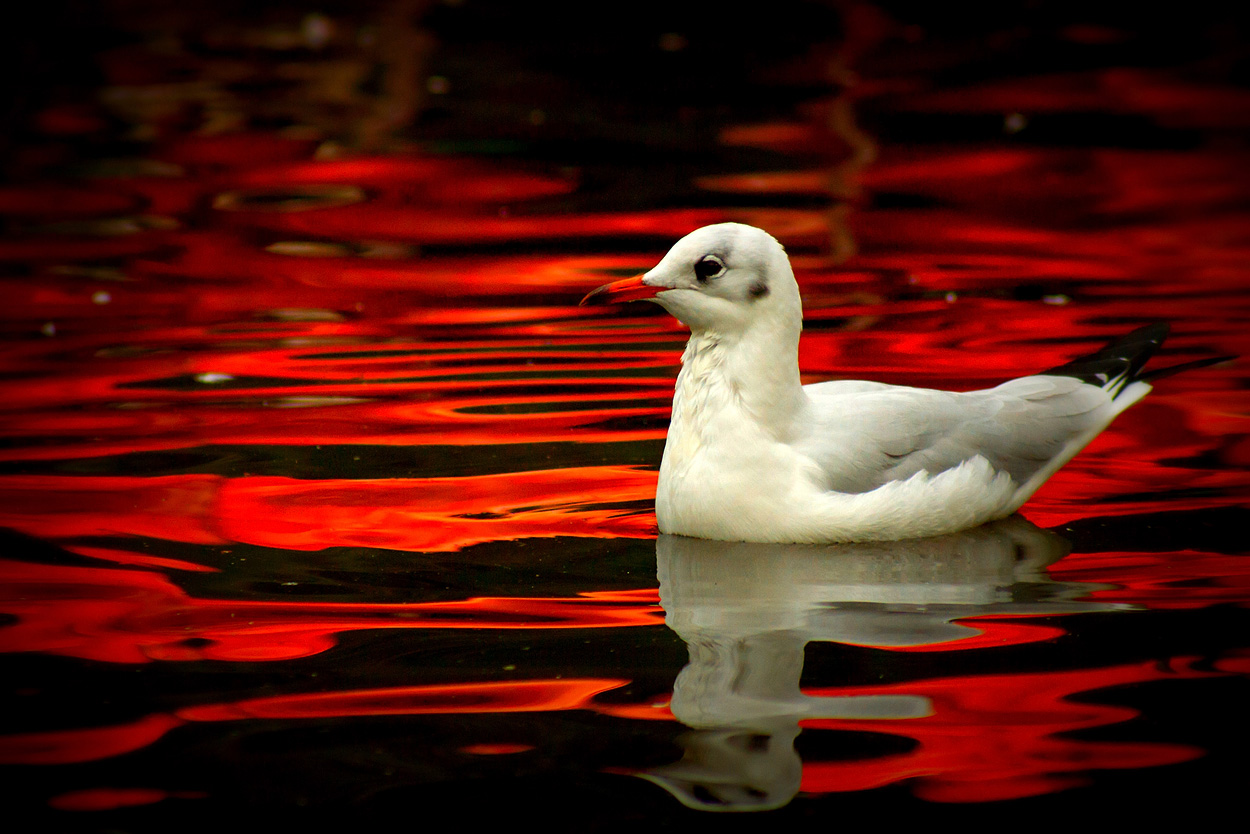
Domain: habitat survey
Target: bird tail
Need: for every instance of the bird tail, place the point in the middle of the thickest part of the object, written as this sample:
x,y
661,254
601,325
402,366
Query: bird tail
x,y
1116,366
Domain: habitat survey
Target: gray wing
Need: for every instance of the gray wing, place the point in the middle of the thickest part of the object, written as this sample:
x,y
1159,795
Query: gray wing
x,y
867,434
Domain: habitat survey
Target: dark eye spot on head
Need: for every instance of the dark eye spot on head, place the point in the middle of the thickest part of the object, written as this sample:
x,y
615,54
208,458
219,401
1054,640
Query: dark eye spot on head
x,y
708,268
758,289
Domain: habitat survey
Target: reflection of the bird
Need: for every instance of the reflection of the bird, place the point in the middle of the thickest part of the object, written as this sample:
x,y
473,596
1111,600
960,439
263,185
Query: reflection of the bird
x,y
746,612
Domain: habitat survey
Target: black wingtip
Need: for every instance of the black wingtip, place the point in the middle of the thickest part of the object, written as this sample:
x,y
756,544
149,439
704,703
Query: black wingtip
x,y
1121,361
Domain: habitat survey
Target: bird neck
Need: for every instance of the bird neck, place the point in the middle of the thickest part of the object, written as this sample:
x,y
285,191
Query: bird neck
x,y
753,371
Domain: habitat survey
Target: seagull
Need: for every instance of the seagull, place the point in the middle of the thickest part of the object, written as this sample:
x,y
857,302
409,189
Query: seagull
x,y
755,455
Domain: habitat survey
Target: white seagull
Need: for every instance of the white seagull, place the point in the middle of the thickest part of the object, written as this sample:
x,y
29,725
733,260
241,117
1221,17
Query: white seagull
x,y
754,455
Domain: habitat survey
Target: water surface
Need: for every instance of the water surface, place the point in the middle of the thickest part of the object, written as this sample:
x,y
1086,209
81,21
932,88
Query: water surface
x,y
320,492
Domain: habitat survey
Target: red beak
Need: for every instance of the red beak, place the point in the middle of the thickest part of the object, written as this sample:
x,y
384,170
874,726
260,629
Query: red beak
x,y
630,289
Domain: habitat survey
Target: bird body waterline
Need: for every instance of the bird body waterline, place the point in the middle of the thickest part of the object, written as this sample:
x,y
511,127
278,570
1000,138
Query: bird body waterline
x,y
752,454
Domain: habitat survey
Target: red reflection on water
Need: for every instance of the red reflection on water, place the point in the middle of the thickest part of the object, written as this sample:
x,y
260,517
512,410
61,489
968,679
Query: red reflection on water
x,y
110,798
61,202
421,514
84,745
241,291
994,737
772,182
316,352
991,631
325,416
143,560
1183,579
242,149
69,746
518,696
104,799
437,180
987,738
430,226
496,749
1163,96
133,616
60,249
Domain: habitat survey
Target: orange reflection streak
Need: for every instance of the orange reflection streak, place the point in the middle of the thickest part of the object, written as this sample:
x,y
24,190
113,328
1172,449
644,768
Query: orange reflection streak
x,y
369,221
437,180
327,379
421,514
85,745
418,224
135,616
416,369
1103,484
496,749
143,560
987,738
1108,182
269,164
342,274
779,136
180,506
218,281
69,746
474,394
104,799
468,698
992,631
1237,663
770,182
165,426
961,251
1182,579
999,736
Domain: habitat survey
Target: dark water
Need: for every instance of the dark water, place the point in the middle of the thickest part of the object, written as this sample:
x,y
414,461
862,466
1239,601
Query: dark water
x,y
321,495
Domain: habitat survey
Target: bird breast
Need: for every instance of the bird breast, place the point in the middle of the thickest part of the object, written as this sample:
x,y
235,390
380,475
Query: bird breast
x,y
719,459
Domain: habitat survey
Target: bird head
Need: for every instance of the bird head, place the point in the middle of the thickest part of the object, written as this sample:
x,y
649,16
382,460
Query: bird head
x,y
724,279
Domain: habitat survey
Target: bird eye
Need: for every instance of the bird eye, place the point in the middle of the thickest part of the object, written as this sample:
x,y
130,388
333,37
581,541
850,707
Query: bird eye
x,y
709,267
